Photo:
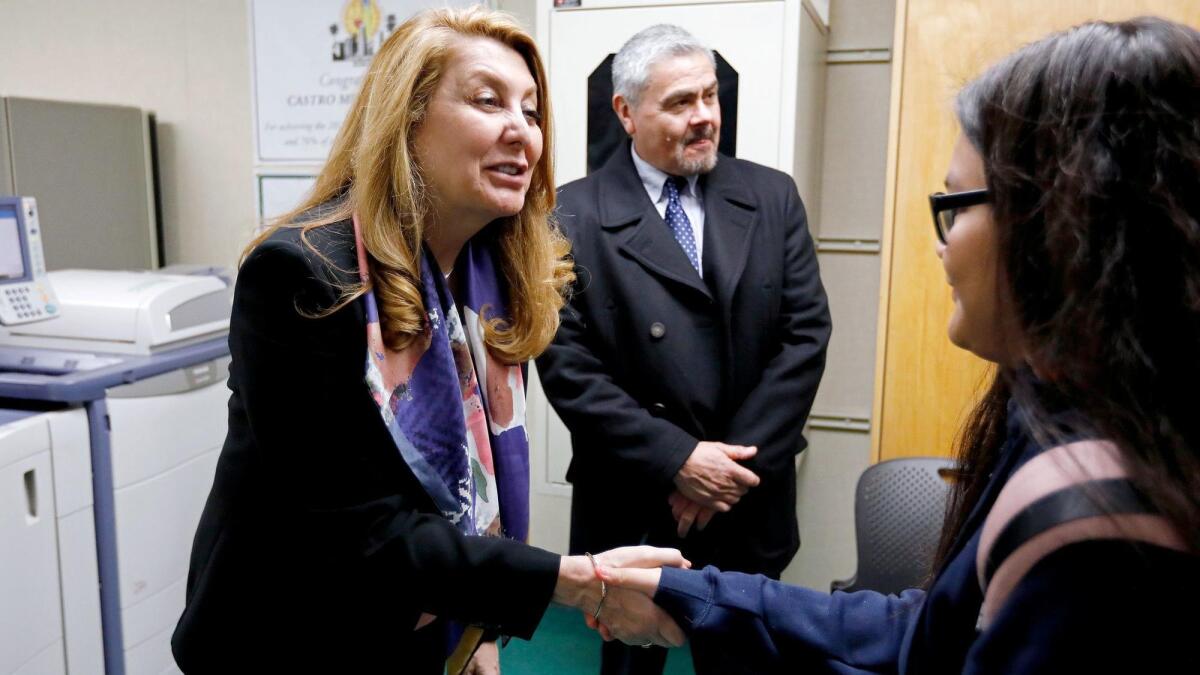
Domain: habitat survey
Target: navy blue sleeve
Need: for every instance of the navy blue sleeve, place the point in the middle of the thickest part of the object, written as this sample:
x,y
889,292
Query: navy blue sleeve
x,y
770,623
1097,606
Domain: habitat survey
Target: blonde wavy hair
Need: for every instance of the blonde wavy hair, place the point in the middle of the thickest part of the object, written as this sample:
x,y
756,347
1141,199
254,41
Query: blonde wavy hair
x,y
373,170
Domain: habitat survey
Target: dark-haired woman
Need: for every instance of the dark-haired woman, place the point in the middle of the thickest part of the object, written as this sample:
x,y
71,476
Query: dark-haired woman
x,y
1072,242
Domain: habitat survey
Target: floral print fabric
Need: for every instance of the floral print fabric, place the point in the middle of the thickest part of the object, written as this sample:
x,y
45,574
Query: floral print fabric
x,y
455,413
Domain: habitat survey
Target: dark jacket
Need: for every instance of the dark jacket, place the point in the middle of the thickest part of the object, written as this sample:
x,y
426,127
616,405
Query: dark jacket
x,y
1097,606
651,359
317,547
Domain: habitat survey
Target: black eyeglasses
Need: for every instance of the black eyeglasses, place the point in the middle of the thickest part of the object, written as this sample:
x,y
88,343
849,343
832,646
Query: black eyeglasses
x,y
945,207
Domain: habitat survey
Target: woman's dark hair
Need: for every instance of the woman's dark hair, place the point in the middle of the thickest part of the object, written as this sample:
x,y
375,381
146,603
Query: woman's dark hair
x,y
1090,140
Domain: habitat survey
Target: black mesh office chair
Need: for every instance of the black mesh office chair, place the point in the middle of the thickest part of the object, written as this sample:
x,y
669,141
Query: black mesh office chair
x,y
899,507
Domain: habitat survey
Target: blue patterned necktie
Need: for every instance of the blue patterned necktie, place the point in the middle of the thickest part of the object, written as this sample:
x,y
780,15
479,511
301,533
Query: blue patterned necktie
x,y
678,221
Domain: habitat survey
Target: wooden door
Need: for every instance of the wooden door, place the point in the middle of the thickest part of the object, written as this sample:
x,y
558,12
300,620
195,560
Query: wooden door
x,y
923,384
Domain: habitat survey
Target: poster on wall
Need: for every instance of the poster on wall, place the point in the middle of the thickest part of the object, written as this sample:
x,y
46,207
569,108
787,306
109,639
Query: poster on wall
x,y
309,57
280,193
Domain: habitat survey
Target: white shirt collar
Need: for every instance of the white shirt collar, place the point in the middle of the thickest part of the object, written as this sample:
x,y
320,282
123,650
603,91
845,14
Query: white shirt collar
x,y
654,178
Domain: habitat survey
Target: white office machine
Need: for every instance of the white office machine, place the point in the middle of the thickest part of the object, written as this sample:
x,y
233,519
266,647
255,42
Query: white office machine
x,y
50,615
133,447
25,296
136,362
107,311
127,312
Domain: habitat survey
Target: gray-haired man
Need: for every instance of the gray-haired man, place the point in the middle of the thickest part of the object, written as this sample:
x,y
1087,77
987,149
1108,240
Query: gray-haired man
x,y
689,357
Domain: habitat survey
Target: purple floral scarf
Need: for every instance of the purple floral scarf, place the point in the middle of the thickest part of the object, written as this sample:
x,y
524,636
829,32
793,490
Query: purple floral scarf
x,y
455,412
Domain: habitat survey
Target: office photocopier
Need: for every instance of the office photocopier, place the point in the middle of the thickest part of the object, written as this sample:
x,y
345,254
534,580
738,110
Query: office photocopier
x,y
112,413
48,568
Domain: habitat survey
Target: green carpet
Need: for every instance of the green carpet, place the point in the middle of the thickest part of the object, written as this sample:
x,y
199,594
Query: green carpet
x,y
563,645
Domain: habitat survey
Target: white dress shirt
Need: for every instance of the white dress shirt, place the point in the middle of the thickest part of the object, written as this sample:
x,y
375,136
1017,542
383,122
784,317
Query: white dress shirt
x,y
690,199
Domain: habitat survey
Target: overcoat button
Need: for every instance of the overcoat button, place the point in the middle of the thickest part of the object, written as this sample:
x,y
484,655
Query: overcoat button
x,y
657,330
658,410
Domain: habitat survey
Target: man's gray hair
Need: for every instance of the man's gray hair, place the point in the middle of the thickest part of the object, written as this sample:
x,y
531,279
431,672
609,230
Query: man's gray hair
x,y
631,67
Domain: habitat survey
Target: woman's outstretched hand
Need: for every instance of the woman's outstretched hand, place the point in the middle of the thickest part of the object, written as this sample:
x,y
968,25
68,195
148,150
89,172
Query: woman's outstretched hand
x,y
644,581
620,580
627,615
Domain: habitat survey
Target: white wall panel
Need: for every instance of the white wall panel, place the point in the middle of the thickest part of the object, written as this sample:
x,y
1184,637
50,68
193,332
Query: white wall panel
x,y
825,478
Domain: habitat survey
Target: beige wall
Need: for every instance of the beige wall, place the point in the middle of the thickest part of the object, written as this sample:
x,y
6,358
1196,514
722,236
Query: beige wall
x,y
186,61
846,217
523,10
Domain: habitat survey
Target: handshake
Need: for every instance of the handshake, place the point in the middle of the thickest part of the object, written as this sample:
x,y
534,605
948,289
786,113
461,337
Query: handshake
x,y
614,590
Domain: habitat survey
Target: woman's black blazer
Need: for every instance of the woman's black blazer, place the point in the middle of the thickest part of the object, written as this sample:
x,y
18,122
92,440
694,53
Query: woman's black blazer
x,y
318,548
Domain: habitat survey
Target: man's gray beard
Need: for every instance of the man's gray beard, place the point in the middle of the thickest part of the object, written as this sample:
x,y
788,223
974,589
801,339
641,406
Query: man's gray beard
x,y
698,166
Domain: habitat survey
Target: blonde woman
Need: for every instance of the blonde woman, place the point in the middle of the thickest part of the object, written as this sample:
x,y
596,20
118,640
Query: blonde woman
x,y
372,493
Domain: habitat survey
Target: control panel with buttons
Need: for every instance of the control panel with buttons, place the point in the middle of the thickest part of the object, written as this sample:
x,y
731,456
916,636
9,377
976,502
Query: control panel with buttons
x,y
25,293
